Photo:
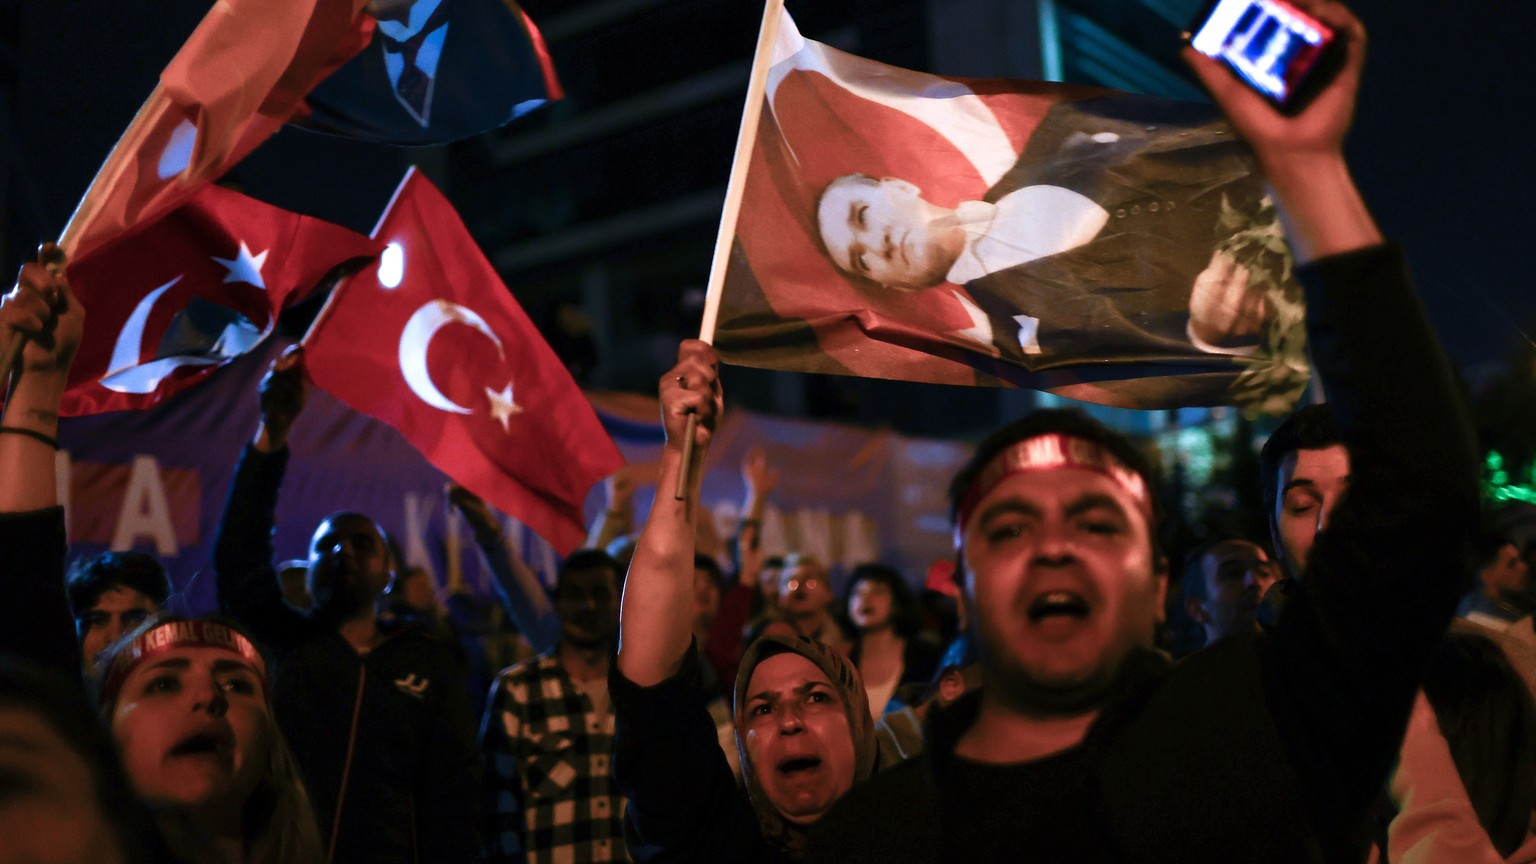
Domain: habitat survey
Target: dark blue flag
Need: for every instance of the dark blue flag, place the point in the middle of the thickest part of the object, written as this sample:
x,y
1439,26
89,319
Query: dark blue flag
x,y
445,70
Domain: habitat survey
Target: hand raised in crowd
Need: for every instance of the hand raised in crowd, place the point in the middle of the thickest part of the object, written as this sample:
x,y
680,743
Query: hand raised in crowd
x,y
43,310
1303,155
691,387
1319,129
476,512
759,477
282,394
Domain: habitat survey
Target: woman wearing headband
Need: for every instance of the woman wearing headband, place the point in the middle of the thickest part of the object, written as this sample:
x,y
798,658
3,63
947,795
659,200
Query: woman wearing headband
x,y
184,701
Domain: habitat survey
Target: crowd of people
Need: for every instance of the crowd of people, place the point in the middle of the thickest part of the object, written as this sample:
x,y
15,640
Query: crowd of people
x,y
1355,686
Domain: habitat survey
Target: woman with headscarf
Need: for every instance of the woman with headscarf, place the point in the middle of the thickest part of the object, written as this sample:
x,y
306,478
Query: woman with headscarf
x,y
802,721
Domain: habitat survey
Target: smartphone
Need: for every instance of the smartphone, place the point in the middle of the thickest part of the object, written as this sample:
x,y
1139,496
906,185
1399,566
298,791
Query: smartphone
x,y
1279,50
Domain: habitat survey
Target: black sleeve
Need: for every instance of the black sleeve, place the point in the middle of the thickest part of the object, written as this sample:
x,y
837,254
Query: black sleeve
x,y
247,584
447,786
1383,579
683,801
35,623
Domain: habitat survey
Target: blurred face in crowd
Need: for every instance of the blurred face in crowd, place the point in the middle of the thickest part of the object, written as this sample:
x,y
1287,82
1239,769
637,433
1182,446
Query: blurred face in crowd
x,y
49,809
1061,576
804,589
349,565
1507,577
871,605
1311,484
193,728
586,602
883,231
1236,574
797,737
118,610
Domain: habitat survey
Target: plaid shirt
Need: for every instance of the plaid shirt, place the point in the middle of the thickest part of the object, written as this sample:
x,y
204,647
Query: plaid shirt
x,y
551,795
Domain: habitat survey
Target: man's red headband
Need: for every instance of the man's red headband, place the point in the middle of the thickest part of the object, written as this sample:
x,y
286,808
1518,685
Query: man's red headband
x,y
178,634
1043,452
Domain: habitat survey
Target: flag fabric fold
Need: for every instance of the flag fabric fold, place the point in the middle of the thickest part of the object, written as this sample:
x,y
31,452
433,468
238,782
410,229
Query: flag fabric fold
x,y
1105,246
242,74
448,70
429,341
172,300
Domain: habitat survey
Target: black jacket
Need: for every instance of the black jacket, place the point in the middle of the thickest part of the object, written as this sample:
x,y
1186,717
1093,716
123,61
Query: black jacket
x,y
385,741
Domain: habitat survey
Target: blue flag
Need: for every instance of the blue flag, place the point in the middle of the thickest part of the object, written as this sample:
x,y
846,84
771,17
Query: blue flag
x,y
446,70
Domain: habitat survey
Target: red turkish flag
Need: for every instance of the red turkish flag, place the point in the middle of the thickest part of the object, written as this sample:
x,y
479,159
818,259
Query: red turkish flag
x,y
242,74
431,342
175,299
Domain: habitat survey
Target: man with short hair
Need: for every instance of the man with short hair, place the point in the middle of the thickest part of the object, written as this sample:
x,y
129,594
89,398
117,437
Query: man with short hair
x,y
373,707
1085,745
1223,585
1503,584
1064,258
112,593
548,733
1304,471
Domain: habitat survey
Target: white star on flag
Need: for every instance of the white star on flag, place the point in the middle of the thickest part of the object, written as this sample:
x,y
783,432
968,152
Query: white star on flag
x,y
245,267
502,406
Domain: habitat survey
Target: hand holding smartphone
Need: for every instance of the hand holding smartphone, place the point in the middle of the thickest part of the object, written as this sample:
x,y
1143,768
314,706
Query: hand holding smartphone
x,y
1280,51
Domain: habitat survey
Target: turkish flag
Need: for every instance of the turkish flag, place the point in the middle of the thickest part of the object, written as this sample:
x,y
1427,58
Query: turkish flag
x,y
242,74
173,300
431,342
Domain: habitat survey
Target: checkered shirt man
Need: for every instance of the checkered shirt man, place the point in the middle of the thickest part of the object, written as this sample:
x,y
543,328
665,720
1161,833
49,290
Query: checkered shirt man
x,y
548,751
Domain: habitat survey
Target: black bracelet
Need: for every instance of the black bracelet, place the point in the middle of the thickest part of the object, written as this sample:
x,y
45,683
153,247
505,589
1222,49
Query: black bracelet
x,y
31,433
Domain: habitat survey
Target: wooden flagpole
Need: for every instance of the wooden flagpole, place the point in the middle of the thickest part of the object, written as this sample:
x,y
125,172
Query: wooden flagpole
x,y
746,139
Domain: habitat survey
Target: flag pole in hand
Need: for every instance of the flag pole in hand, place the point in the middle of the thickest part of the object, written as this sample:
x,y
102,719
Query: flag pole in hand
x,y
746,137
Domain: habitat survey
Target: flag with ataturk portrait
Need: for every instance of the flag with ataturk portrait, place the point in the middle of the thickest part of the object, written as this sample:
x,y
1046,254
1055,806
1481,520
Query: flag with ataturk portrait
x,y
173,300
239,77
429,341
437,71
1109,247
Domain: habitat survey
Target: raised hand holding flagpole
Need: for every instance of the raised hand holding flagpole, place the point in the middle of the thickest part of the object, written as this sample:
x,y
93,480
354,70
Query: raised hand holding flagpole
x,y
773,13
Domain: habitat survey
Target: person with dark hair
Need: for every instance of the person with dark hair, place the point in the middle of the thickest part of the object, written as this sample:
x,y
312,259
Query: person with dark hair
x,y
1304,469
1223,583
888,650
548,732
110,594
803,728
1501,589
374,706
1085,745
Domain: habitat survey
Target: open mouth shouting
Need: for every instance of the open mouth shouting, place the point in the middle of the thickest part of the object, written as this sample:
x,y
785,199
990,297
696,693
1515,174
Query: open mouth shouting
x,y
1059,612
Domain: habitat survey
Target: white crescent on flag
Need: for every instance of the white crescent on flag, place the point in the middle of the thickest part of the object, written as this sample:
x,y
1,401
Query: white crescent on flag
x,y
417,338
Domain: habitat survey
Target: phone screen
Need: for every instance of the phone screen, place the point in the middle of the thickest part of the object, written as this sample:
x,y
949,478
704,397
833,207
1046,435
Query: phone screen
x,y
1271,44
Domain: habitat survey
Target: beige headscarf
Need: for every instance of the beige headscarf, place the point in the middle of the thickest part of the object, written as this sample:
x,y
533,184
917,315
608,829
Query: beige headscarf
x,y
845,678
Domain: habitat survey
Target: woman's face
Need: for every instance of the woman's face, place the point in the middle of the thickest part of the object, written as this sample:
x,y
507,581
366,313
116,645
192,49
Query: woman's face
x,y
193,728
870,604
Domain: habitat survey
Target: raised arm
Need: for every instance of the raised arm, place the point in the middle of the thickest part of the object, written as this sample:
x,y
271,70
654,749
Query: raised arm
x,y
247,585
35,621
618,516
760,478
522,594
656,618
1383,578
1303,156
